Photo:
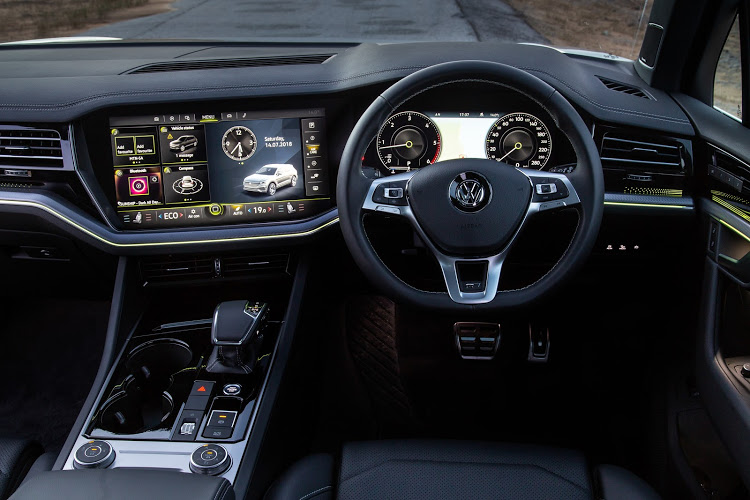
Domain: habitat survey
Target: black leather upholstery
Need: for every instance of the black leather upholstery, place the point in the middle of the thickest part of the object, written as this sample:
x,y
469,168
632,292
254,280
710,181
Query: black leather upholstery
x,y
312,478
454,470
16,458
124,484
615,483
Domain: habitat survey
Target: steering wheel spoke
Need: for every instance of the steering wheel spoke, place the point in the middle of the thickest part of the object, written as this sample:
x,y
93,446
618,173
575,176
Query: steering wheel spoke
x,y
550,191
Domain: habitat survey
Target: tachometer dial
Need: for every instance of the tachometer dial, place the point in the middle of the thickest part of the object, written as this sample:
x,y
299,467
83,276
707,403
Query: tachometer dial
x,y
519,139
239,143
408,140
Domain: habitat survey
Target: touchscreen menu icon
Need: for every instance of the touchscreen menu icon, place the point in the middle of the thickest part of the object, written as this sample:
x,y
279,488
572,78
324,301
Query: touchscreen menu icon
x,y
134,146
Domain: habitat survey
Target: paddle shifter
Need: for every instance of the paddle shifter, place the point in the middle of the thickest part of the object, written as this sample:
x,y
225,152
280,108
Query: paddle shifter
x,y
235,335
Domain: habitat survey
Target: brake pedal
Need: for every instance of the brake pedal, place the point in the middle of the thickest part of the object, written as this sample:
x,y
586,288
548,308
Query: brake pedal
x,y
477,340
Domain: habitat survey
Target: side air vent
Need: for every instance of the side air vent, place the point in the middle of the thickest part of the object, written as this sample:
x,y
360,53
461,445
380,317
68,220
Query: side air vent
x,y
27,147
650,153
244,265
232,63
623,88
179,268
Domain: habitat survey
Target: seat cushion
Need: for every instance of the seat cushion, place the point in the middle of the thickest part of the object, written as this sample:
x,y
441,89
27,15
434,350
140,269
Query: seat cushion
x,y
16,457
454,470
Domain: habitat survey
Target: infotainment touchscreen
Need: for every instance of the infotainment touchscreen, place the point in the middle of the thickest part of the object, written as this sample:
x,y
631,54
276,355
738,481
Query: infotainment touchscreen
x,y
230,167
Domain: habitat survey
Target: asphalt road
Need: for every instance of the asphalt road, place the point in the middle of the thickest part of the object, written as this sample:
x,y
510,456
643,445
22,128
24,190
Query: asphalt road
x,y
339,20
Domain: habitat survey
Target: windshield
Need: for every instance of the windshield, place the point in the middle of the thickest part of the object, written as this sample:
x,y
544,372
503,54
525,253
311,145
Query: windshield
x,y
613,26
266,171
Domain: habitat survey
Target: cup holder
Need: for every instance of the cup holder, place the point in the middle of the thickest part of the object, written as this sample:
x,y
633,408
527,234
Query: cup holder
x,y
133,412
144,403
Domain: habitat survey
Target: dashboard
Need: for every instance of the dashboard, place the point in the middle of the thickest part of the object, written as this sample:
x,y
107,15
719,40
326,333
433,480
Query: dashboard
x,y
205,156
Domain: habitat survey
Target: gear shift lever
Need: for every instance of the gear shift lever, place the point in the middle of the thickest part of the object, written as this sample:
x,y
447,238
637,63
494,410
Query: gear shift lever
x,y
234,335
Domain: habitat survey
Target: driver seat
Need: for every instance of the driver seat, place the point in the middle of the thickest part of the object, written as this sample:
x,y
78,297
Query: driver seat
x,y
455,470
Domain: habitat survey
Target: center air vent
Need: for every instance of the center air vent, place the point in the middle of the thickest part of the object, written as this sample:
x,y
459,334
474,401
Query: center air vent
x,y
179,268
28,147
650,153
623,88
242,265
232,63
188,268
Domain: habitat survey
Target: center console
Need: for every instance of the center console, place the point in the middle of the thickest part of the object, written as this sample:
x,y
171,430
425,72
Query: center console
x,y
184,391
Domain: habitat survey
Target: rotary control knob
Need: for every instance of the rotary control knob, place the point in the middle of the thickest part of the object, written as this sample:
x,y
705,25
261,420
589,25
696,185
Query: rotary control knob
x,y
94,455
210,459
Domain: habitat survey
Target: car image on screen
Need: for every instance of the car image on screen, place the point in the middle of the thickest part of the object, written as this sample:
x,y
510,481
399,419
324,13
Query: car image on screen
x,y
270,178
183,143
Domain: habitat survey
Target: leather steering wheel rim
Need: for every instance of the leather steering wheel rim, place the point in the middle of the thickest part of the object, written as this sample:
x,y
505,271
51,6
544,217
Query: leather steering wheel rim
x,y
587,181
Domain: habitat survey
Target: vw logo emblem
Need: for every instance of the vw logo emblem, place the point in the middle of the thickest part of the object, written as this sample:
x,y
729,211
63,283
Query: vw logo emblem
x,y
470,192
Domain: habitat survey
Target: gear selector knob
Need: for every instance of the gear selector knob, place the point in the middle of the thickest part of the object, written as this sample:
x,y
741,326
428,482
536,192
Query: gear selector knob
x,y
234,335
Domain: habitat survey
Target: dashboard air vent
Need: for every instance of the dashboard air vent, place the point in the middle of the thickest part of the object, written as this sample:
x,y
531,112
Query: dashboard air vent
x,y
27,147
620,150
232,63
242,265
179,268
624,88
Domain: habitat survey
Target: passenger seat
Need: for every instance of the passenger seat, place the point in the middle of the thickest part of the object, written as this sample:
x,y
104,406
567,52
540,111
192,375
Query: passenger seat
x,y
16,458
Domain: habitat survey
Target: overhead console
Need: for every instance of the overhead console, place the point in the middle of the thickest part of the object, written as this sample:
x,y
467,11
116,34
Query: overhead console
x,y
196,169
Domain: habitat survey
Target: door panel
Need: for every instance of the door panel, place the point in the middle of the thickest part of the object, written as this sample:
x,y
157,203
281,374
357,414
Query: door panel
x,y
723,188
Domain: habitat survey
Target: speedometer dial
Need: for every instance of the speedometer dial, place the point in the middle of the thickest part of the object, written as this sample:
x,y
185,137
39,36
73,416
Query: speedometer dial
x,y
519,139
408,140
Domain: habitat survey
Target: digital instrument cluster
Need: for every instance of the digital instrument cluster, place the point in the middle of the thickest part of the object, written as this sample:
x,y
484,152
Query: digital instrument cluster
x,y
231,167
409,140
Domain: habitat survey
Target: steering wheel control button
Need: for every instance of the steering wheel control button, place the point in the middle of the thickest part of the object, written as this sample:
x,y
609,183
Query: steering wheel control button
x,y
211,459
232,389
548,189
390,193
550,205
94,455
470,192
394,193
388,210
221,418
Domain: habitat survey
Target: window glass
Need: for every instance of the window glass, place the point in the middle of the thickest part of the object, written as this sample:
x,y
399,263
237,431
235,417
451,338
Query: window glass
x,y
728,77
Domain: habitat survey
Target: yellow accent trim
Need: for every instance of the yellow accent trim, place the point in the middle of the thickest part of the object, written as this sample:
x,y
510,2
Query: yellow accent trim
x,y
644,205
735,210
740,233
87,231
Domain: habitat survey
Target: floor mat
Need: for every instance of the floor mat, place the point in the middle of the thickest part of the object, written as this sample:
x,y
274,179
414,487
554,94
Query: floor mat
x,y
49,357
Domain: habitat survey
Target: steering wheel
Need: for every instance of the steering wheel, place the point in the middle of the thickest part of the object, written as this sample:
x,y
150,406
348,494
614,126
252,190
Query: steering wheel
x,y
469,212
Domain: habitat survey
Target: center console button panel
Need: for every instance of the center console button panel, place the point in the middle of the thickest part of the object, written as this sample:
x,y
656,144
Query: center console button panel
x,y
95,454
210,459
